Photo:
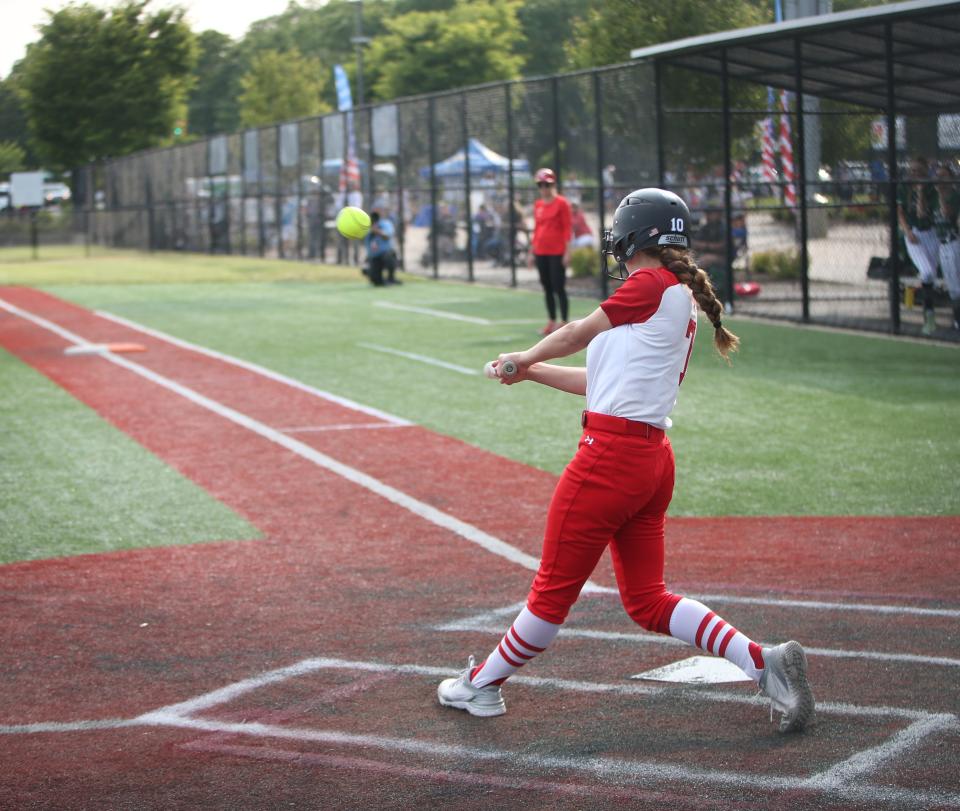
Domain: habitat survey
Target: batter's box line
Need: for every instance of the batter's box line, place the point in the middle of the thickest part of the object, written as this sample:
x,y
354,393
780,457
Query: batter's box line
x,y
484,623
837,780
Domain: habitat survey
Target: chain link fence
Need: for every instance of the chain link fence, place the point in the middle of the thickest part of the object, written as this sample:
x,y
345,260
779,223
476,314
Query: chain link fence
x,y
806,239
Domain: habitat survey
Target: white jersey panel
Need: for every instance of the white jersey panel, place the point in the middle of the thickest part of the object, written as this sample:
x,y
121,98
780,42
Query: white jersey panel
x,y
634,370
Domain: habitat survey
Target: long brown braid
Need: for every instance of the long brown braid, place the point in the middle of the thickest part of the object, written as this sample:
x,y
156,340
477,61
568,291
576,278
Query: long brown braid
x,y
680,263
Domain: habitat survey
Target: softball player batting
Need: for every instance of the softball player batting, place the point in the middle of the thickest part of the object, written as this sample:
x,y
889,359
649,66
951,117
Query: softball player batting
x,y
616,490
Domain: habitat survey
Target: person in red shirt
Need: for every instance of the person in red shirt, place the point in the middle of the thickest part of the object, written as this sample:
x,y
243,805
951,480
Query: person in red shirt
x,y
552,231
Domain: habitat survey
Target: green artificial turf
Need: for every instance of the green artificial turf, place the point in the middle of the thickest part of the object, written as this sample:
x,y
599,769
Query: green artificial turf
x,y
70,483
805,422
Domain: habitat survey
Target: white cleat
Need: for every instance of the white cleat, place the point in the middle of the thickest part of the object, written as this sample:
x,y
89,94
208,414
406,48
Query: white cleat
x,y
461,694
784,682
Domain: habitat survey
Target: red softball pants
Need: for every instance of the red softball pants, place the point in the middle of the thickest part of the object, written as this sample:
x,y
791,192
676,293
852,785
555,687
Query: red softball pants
x,y
615,492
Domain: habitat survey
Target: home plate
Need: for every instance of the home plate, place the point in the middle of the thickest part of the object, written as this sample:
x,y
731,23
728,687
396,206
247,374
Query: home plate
x,y
697,670
92,349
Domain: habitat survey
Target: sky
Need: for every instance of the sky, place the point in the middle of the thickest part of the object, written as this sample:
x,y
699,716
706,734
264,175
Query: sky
x,y
19,18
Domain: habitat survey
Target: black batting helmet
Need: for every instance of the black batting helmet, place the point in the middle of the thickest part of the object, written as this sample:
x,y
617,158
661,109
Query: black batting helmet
x,y
647,218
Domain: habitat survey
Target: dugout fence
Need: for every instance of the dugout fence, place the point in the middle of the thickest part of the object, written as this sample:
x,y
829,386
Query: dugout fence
x,y
778,138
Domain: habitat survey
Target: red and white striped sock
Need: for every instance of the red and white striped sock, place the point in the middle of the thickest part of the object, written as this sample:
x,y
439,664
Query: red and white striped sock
x,y
696,624
528,636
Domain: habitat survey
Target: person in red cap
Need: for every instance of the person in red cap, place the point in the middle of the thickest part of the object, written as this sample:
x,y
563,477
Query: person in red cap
x,y
552,231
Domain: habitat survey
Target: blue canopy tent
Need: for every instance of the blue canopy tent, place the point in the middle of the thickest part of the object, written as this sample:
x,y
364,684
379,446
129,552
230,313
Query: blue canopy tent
x,y
482,160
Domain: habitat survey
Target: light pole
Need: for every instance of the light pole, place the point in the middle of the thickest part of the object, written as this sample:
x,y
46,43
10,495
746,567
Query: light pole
x,y
359,40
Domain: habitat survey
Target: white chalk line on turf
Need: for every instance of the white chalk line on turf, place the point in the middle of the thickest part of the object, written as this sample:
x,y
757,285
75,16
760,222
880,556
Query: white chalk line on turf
x,y
66,726
658,639
401,499
469,319
453,367
620,770
230,692
869,760
253,367
346,426
825,606
835,780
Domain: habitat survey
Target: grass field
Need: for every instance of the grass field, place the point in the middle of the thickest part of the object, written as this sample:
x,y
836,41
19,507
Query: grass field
x,y
806,422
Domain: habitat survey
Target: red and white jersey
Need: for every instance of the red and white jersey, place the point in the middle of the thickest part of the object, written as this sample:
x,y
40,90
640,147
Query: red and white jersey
x,y
634,369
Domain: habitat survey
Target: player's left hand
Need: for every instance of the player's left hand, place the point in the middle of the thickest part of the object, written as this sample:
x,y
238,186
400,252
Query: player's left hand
x,y
519,375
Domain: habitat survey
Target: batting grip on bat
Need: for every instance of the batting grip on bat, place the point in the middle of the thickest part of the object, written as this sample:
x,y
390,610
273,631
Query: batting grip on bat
x,y
506,369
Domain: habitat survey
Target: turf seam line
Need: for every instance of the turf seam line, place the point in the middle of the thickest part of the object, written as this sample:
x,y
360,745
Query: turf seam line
x,y
469,319
401,499
453,367
279,377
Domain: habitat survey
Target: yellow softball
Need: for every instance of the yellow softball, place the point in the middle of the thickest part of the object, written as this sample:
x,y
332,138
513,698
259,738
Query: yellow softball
x,y
353,222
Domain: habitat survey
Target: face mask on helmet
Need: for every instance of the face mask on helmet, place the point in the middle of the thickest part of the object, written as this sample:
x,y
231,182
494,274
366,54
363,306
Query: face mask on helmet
x,y
646,218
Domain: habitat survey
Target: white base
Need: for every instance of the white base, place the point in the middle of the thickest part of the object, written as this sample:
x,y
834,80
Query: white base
x,y
696,670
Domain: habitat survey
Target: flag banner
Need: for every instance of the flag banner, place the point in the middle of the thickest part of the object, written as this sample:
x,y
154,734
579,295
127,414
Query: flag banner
x,y
350,169
767,155
786,153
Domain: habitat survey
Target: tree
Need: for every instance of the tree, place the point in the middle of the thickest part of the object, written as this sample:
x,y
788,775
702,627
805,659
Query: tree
x,y
280,87
547,25
13,119
12,157
212,105
322,32
103,83
611,29
422,52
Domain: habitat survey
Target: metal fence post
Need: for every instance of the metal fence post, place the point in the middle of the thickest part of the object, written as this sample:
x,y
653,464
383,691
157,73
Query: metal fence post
x,y
243,194
601,190
801,178
431,112
727,196
322,203
277,191
151,239
894,176
371,186
510,191
466,179
299,196
261,247
401,208
555,100
658,104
